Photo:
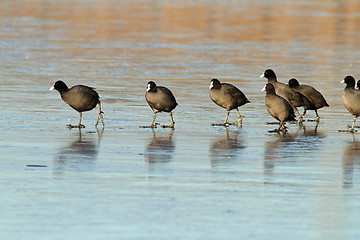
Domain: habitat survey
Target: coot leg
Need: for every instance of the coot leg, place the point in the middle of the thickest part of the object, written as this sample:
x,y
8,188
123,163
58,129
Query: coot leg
x,y
171,125
317,116
226,123
353,125
100,116
304,113
301,117
227,117
282,128
239,120
80,125
153,125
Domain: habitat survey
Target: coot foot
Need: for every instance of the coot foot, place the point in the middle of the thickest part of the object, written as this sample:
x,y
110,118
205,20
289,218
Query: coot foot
x,y
272,123
274,131
349,126
222,124
168,126
75,126
349,130
151,126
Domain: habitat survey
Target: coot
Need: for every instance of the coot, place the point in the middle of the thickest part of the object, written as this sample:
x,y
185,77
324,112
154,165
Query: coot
x,y
316,98
227,96
160,99
351,99
81,98
283,90
278,107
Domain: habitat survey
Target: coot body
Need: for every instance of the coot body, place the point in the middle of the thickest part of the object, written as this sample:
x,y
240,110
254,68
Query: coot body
x,y
278,107
351,98
227,96
160,99
317,99
81,98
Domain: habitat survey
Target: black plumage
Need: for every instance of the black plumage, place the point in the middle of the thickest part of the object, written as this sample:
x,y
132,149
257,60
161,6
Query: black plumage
x,y
351,98
160,99
278,107
316,98
227,96
294,98
81,98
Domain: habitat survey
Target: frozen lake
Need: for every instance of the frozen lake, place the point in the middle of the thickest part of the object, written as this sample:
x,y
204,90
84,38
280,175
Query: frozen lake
x,y
196,181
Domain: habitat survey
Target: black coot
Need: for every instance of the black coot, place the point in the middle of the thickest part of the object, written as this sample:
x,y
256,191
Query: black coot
x,y
351,99
294,98
278,107
160,99
227,96
316,98
81,98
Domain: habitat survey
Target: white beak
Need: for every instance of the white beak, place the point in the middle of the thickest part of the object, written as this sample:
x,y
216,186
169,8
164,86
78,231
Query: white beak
x,y
342,81
263,89
211,85
262,75
52,88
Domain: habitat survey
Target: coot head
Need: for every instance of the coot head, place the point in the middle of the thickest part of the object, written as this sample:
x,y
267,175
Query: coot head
x,y
293,83
269,88
59,86
349,81
215,83
151,86
269,73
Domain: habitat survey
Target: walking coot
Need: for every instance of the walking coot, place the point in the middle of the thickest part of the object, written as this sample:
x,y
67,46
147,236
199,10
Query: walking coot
x,y
160,99
278,107
283,90
81,98
351,99
227,96
316,98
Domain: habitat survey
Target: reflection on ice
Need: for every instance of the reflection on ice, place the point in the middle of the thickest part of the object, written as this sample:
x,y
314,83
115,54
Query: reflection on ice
x,y
79,155
351,156
226,148
277,149
160,148
288,147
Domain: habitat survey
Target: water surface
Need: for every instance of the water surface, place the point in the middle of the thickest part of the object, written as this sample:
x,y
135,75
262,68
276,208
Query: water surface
x,y
196,181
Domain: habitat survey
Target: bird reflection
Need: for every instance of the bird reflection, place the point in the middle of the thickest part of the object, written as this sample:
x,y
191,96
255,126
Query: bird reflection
x,y
161,148
351,157
79,155
311,131
287,147
277,149
225,149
